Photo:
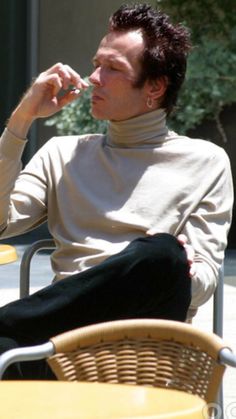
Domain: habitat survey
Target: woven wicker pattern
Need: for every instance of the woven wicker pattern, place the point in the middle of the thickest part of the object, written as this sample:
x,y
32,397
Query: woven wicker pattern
x,y
143,360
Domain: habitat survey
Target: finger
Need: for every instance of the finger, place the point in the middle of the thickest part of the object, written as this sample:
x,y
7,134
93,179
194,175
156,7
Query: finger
x,y
190,253
54,69
54,82
182,239
192,270
68,97
65,73
75,78
47,83
69,77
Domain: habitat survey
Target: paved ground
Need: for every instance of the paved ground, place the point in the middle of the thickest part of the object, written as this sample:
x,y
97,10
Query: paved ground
x,y
41,276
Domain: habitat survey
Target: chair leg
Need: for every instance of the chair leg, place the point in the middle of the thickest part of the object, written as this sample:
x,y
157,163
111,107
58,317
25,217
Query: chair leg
x,y
218,305
220,402
218,310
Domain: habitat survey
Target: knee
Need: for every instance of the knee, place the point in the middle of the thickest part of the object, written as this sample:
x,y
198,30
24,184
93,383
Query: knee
x,y
162,249
162,245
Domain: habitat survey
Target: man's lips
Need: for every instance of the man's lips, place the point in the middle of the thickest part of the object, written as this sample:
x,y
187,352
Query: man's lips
x,y
95,97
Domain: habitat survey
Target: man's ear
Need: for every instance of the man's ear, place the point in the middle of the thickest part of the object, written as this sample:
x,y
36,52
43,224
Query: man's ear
x,y
157,88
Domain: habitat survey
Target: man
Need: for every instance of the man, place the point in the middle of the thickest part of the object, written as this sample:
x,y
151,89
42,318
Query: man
x,y
116,203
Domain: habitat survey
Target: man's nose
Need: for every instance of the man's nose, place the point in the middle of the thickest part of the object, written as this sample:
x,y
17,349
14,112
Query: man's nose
x,y
95,77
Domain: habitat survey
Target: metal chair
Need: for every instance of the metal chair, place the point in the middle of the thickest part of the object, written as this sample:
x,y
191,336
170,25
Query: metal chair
x,y
158,353
218,297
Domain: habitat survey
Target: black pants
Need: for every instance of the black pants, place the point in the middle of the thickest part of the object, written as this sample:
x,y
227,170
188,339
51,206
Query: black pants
x,y
148,279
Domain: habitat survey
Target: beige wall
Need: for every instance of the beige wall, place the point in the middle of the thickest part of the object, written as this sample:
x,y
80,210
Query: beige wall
x,y
69,32
71,29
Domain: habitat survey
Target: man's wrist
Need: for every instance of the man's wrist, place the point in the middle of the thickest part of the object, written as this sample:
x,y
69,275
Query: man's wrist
x,y
19,125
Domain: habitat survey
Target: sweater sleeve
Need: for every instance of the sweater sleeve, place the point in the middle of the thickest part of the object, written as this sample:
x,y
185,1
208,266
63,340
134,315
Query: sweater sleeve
x,y
208,225
22,195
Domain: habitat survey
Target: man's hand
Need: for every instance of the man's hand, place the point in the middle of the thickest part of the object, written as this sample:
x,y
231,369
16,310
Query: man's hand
x,y
182,239
43,98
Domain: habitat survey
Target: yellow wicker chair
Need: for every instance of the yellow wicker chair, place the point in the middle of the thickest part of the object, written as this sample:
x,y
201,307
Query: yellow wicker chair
x,y
158,353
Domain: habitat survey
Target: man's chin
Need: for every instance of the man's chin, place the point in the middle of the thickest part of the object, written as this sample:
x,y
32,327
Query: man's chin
x,y
97,115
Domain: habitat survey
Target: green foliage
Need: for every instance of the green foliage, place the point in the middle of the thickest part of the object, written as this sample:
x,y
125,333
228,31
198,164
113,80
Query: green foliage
x,y
211,77
210,82
210,85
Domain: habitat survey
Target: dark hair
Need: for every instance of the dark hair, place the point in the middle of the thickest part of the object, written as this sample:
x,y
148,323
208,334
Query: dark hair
x,y
166,47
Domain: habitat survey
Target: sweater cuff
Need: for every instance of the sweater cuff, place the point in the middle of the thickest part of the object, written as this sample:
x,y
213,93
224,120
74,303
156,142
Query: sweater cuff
x,y
11,146
204,283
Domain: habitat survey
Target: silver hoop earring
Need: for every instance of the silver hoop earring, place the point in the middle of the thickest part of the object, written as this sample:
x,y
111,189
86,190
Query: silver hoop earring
x,y
149,102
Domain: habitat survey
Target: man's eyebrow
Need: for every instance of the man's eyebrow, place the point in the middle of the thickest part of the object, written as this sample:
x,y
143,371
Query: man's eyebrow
x,y
94,60
110,59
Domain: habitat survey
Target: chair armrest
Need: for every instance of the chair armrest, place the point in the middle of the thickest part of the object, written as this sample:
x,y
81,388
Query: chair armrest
x,y
26,260
28,353
227,357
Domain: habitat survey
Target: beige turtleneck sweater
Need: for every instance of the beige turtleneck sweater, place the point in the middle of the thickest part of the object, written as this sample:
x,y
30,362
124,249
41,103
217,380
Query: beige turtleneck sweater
x,y
100,192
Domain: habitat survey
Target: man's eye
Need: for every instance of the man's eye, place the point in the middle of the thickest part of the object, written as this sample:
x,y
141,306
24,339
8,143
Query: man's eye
x,y
113,68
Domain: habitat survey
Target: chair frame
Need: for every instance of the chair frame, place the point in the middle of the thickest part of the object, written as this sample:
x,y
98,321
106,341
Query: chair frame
x,y
30,251
49,244
158,353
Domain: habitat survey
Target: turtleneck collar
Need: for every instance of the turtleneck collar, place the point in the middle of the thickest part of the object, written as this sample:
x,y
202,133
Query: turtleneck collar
x,y
145,130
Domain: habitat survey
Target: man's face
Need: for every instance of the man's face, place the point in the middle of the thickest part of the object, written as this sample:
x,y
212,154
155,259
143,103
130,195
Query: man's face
x,y
117,65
